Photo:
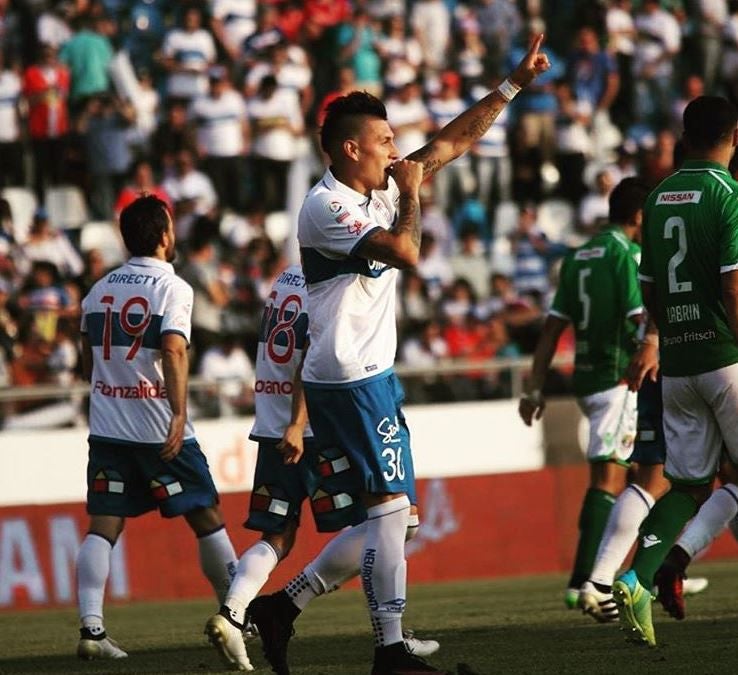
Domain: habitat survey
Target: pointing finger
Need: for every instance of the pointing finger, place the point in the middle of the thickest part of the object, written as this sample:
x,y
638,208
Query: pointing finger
x,y
536,44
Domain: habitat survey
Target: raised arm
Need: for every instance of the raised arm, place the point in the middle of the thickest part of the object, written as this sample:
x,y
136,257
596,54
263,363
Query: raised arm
x,y
462,132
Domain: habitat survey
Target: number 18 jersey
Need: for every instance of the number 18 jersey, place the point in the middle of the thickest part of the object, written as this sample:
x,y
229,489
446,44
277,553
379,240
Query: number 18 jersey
x,y
282,339
124,316
598,292
690,237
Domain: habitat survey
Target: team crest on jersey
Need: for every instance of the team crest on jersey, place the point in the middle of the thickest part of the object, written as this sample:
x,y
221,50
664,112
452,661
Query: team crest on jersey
x,y
323,502
355,228
263,500
164,487
335,207
108,481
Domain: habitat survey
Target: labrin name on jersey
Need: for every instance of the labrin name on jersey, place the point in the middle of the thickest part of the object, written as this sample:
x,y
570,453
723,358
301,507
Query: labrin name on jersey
x,y
139,391
273,387
679,197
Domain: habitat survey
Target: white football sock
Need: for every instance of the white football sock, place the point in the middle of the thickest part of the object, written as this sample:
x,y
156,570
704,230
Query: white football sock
x,y
629,511
93,569
383,569
253,570
335,564
217,560
711,519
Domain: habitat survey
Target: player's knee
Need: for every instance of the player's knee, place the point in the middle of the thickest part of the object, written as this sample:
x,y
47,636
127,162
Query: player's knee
x,y
205,520
282,542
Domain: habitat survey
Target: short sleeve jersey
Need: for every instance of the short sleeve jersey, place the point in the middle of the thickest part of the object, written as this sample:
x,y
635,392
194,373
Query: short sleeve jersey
x,y
125,315
690,238
282,338
353,336
598,292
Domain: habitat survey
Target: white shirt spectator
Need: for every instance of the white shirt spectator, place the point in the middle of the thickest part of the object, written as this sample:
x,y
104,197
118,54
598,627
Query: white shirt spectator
x,y
57,250
594,207
196,186
232,369
194,50
10,89
431,24
219,123
238,18
289,76
660,40
278,143
620,29
52,30
413,112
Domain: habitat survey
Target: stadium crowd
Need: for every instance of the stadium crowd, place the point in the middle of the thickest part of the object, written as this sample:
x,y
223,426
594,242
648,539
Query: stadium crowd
x,y
214,107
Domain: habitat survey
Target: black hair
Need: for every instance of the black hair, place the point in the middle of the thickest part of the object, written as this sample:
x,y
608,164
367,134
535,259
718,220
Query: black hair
x,y
344,116
142,224
708,122
627,198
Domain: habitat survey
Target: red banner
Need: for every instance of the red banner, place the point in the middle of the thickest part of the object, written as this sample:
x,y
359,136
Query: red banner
x,y
481,526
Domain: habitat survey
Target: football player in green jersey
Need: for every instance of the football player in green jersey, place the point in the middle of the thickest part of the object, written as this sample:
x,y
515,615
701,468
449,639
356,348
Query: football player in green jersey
x,y
598,293
689,279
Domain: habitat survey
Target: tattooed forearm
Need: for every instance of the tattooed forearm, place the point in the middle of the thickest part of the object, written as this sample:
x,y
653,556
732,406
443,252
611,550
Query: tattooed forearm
x,y
408,220
484,117
459,134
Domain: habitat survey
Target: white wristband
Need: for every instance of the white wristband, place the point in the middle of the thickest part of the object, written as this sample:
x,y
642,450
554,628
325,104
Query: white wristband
x,y
508,89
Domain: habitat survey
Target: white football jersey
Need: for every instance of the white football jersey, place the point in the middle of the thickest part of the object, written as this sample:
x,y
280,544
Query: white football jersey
x,y
124,316
353,335
282,339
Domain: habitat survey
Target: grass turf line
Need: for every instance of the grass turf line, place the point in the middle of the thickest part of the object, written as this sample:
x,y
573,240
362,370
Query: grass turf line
x,y
501,626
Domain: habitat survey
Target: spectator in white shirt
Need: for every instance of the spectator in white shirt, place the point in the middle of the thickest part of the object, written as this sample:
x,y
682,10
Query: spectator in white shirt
x,y
187,53
191,192
11,146
229,368
276,124
222,137
409,118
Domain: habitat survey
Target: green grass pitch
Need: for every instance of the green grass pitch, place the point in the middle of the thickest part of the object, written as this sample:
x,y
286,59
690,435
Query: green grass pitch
x,y
501,626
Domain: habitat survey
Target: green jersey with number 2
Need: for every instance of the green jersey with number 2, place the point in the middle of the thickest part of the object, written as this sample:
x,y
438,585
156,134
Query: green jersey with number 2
x,y
690,237
598,292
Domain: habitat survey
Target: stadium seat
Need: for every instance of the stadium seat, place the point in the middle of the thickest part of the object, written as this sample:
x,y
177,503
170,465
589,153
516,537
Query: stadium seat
x,y
506,218
277,226
503,260
66,206
22,207
104,236
556,218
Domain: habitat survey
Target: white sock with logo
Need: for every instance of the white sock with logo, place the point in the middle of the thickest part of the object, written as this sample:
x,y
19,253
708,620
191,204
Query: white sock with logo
x,y
629,511
336,564
93,569
712,518
253,570
217,560
383,569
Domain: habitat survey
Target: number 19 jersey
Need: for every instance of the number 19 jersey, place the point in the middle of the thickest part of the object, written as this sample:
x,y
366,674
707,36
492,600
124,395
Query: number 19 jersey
x,y
282,339
598,292
124,316
690,237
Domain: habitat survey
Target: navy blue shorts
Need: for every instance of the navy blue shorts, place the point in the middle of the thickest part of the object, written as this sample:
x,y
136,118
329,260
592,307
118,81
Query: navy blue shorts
x,y
650,446
128,480
325,478
366,422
